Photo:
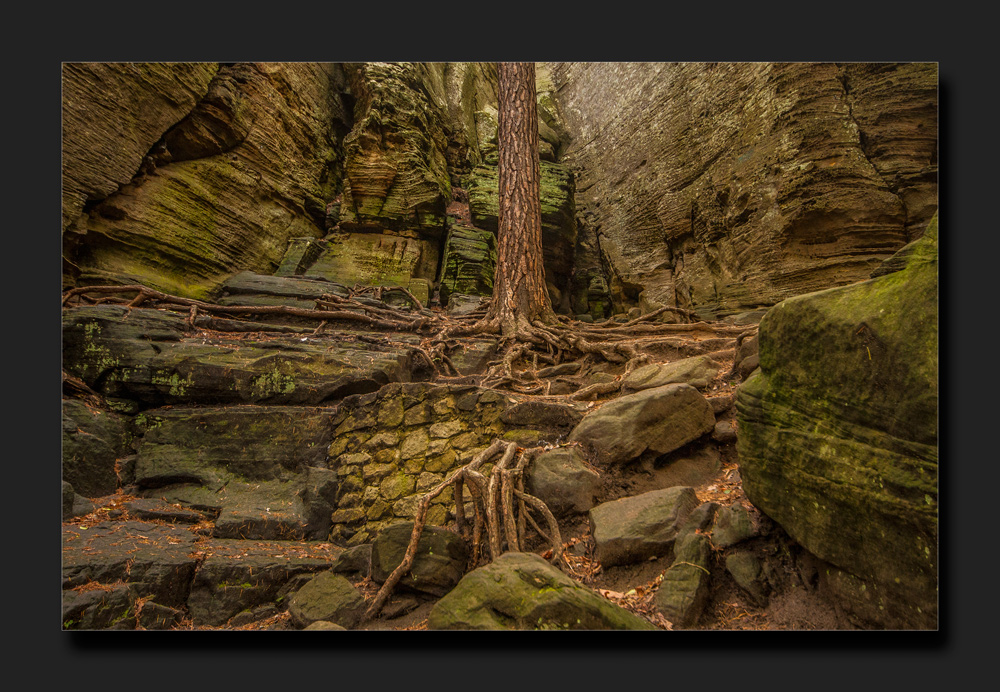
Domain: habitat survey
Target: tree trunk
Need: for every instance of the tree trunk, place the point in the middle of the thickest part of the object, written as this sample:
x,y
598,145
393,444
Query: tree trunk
x,y
519,293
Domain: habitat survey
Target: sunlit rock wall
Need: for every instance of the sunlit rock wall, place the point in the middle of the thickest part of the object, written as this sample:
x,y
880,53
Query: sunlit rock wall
x,y
727,186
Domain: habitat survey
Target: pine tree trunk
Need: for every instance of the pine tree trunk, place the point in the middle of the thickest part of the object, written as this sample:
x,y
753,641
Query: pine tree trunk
x,y
519,292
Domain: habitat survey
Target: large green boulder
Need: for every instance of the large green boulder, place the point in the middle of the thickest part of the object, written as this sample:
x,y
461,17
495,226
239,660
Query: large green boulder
x,y
838,432
521,591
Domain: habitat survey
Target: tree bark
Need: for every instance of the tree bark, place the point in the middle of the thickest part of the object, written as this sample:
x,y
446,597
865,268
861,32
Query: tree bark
x,y
519,293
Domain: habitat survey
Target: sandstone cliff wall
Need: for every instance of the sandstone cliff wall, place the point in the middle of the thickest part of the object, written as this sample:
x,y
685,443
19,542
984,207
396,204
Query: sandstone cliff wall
x,y
720,187
724,187
177,176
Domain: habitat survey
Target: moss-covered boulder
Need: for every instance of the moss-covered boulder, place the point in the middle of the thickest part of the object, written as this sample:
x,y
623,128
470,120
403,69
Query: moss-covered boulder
x,y
521,591
747,571
838,431
374,259
327,597
439,564
684,589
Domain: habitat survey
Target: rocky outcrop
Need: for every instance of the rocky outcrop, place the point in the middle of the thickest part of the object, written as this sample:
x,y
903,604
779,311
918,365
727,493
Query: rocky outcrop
x,y
233,161
721,187
469,263
144,357
341,172
838,434
396,174
727,186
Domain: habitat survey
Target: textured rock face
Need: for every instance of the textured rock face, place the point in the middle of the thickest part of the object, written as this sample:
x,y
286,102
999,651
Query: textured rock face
x,y
729,186
470,259
396,174
838,434
229,164
177,176
558,216
112,115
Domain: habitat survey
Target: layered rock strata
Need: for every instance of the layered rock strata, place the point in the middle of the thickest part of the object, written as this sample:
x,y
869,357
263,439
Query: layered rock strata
x,y
242,160
728,186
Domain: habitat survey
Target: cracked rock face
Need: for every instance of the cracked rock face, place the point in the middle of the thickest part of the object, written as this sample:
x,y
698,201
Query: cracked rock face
x,y
729,186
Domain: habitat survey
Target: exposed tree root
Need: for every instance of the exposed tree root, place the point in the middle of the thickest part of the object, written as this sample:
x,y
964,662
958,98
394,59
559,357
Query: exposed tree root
x,y
344,309
495,512
523,349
